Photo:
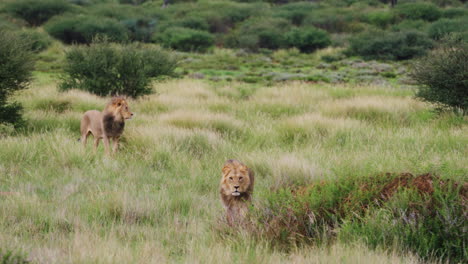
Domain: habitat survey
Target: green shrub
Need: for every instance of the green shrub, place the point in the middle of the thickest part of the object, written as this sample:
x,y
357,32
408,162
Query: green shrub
x,y
194,22
15,73
408,25
109,69
308,39
455,12
83,28
259,33
295,12
443,75
389,45
186,39
380,19
116,11
38,41
418,10
333,20
444,27
140,29
37,12
132,2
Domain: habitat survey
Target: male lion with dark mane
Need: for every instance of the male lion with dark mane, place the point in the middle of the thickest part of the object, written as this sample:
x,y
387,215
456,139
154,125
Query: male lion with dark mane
x,y
237,183
106,125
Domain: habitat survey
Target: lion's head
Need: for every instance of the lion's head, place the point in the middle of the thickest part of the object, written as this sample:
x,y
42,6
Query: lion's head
x,y
119,107
237,179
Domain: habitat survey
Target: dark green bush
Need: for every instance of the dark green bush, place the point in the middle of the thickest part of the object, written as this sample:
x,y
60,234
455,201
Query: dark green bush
x,y
38,41
110,69
259,33
16,65
390,45
333,20
308,39
408,25
37,12
295,12
418,10
83,28
455,12
444,27
186,39
132,2
380,19
194,22
140,29
443,75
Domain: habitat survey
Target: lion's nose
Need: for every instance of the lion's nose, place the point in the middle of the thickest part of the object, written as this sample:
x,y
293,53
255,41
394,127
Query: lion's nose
x,y
237,187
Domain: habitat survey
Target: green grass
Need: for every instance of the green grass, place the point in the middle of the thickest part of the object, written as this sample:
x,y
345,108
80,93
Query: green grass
x,y
157,199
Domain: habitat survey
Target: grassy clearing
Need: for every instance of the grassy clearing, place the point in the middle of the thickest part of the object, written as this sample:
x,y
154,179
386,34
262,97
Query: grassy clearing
x,y
157,200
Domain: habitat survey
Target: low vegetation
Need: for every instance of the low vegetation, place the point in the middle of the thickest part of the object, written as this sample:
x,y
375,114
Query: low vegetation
x,y
110,69
15,74
159,197
443,75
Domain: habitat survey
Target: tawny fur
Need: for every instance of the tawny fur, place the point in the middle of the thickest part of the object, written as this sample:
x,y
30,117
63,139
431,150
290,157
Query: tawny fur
x,y
237,183
106,125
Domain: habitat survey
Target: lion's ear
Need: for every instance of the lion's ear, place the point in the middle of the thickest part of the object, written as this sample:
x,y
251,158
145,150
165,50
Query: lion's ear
x,y
226,169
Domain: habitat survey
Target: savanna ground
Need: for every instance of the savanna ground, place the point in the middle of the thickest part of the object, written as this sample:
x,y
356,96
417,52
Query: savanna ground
x,y
157,200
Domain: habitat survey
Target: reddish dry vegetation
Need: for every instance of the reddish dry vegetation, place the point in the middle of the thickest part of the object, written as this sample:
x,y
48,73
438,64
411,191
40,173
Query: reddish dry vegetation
x,y
340,200
424,183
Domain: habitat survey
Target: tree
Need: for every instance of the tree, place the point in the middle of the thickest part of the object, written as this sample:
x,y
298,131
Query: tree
x,y
16,65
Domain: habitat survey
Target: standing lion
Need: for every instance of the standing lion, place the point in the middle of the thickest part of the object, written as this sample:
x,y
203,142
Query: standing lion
x,y
236,190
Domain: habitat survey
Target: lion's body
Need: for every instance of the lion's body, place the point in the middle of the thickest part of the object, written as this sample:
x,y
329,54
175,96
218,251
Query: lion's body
x,y
106,125
237,183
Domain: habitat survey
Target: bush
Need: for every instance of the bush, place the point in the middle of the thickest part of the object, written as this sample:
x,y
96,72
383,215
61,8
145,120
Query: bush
x,y
443,75
38,41
140,29
186,39
194,22
15,73
389,45
295,12
83,28
112,69
455,12
444,27
259,33
333,20
419,10
37,12
308,39
408,25
380,19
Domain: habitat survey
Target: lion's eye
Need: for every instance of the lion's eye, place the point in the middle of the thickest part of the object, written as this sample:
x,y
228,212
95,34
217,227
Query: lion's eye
x,y
240,178
119,104
230,178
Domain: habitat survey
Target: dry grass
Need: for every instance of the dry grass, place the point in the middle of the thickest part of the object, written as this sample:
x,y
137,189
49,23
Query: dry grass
x,y
157,200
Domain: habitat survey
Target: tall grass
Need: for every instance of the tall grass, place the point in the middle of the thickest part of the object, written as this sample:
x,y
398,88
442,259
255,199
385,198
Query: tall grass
x,y
157,200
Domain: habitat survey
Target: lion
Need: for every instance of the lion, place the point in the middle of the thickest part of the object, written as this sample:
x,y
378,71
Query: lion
x,y
237,183
106,125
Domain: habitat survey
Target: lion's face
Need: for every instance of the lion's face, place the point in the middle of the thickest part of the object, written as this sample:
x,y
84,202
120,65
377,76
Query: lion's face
x,y
235,179
120,105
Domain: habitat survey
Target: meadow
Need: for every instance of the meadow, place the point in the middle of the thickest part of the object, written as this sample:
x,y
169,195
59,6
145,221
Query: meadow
x,y
157,200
